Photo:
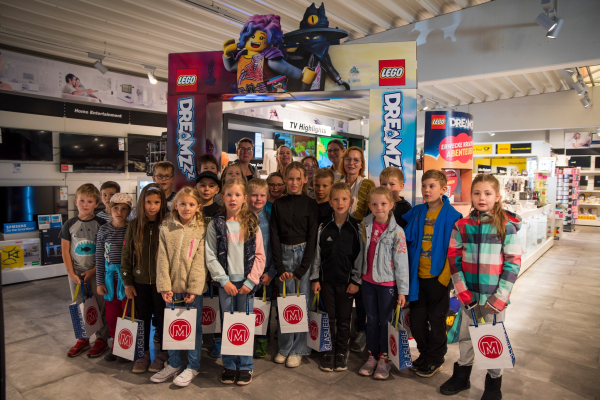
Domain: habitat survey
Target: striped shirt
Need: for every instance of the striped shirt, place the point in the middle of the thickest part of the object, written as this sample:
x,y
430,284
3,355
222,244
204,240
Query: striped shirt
x,y
104,216
109,244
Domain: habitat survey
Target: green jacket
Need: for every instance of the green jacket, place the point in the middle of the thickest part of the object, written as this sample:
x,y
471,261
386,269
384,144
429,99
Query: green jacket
x,y
132,269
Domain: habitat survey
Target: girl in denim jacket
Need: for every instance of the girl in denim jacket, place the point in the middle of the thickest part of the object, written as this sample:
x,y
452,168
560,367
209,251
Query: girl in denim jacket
x,y
384,277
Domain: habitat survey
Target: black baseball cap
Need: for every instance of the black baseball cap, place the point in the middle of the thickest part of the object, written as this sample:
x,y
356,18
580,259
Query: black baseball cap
x,y
211,175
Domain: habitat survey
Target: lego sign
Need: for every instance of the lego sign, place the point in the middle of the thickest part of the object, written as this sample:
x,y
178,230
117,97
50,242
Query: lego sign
x,y
391,73
187,80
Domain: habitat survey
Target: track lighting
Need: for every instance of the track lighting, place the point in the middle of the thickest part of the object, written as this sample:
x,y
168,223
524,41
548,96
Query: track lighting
x,y
98,64
579,88
545,21
586,101
151,75
492,134
549,20
364,121
553,33
423,103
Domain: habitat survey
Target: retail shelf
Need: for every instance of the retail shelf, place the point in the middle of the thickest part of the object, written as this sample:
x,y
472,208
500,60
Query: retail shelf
x,y
32,273
589,204
587,222
535,255
590,172
585,190
529,213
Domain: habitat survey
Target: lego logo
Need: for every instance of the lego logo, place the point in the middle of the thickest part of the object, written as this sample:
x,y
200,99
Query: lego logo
x,y
439,121
391,72
186,80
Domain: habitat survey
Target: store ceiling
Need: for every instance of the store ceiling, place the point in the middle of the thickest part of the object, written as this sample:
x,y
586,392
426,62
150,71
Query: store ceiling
x,y
133,33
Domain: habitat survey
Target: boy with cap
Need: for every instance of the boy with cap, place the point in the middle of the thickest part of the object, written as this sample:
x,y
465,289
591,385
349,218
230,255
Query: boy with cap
x,y
208,185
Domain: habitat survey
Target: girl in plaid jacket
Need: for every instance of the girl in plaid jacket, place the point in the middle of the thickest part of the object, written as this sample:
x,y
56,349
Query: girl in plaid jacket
x,y
485,257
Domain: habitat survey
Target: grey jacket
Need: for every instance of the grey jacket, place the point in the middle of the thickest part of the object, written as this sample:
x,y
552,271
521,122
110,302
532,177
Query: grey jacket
x,y
390,251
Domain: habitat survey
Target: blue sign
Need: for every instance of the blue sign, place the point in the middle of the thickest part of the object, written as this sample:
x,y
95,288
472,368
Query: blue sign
x,y
19,227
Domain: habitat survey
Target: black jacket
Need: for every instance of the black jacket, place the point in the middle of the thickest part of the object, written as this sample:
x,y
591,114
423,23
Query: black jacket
x,y
401,208
339,254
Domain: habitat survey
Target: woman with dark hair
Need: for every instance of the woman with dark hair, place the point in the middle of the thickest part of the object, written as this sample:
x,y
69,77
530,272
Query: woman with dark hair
x,y
335,148
245,150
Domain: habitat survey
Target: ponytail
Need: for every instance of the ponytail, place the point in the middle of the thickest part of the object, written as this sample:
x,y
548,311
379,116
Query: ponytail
x,y
497,213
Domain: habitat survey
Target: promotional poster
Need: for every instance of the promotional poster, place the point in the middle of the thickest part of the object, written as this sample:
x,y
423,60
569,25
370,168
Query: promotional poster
x,y
35,75
448,140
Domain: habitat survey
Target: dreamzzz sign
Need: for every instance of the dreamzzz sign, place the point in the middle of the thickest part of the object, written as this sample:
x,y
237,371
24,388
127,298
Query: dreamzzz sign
x,y
391,129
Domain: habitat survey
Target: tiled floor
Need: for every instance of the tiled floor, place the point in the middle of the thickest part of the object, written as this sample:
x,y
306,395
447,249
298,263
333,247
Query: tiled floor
x,y
553,324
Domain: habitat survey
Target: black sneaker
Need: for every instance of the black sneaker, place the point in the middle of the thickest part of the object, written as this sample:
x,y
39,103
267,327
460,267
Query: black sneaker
x,y
418,363
341,363
428,370
110,357
228,376
327,363
244,378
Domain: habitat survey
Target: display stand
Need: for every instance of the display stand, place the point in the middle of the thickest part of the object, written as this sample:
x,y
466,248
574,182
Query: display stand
x,y
568,194
534,236
32,273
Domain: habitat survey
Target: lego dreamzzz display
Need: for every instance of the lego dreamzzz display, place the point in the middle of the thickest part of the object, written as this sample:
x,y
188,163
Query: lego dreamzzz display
x,y
309,47
256,57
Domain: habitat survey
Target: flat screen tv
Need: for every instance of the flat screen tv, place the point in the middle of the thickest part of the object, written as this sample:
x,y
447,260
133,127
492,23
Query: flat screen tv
x,y
583,162
25,203
25,145
137,146
234,136
300,145
91,153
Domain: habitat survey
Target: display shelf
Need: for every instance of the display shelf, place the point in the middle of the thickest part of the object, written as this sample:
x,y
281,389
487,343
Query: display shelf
x,y
589,204
585,190
532,257
32,273
588,222
529,213
595,171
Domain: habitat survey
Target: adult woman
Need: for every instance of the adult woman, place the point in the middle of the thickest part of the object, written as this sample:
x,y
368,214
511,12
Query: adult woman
x,y
311,164
244,151
284,158
352,167
335,148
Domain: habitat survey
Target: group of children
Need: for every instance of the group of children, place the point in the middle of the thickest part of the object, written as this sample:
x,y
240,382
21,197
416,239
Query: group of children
x,y
254,238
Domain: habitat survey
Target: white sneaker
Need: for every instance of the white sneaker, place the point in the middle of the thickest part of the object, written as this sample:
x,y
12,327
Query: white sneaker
x,y
166,373
293,361
185,377
279,358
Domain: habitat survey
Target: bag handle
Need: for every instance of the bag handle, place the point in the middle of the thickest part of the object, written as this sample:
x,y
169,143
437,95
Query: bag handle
x,y
297,289
77,292
264,294
475,318
247,305
314,302
398,312
132,309
180,301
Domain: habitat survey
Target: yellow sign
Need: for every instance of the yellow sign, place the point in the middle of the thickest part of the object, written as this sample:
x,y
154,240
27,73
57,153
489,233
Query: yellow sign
x,y
520,163
483,149
503,148
12,256
588,217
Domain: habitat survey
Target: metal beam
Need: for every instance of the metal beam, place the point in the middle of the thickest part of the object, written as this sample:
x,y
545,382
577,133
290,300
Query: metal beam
x,y
479,86
473,95
500,88
514,85
533,83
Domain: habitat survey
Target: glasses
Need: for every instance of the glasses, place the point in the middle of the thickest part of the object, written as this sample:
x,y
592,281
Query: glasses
x,y
245,149
333,151
350,160
163,177
310,166
276,185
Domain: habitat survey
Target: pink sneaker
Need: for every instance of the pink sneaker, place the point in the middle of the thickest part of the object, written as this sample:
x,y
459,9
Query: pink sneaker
x,y
368,368
383,369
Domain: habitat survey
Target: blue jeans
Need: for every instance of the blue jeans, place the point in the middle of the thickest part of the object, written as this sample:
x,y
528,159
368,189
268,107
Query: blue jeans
x,y
242,363
380,302
193,355
269,290
294,343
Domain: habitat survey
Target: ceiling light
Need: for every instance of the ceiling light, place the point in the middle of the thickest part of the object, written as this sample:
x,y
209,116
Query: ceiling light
x,y
98,64
585,101
597,130
423,103
579,88
545,21
553,33
151,75
364,121
492,134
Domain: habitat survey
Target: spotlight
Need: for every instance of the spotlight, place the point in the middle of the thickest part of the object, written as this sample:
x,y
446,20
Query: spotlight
x,y
579,88
597,130
151,75
98,64
545,21
423,103
553,33
492,134
364,121
585,101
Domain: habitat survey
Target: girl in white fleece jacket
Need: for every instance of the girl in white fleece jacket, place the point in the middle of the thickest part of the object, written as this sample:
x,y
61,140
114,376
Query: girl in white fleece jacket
x,y
235,257
181,275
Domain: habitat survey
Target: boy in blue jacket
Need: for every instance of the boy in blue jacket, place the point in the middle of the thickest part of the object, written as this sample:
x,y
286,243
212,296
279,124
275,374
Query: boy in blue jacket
x,y
428,231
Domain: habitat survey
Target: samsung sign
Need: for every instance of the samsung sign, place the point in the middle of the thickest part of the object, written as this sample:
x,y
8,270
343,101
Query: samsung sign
x,y
306,128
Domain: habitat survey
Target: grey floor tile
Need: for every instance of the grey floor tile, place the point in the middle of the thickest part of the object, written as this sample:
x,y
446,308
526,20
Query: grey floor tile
x,y
12,393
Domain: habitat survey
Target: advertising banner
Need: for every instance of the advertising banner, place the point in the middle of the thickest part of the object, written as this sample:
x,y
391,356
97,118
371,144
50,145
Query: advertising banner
x,y
393,135
448,140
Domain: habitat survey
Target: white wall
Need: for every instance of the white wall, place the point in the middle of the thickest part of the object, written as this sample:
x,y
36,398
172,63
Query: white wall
x,y
39,173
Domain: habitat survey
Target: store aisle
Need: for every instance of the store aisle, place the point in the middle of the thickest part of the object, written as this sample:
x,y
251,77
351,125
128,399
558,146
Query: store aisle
x,y
553,324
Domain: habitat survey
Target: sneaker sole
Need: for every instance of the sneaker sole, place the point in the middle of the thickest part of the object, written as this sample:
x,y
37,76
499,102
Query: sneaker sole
x,y
155,369
279,362
381,378
365,373
430,374
453,392
182,384
97,355
337,369
326,369
78,354
240,383
227,382
139,371
161,380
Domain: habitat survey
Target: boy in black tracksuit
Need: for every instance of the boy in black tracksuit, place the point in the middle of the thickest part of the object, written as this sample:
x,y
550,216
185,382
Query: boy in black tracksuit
x,y
336,273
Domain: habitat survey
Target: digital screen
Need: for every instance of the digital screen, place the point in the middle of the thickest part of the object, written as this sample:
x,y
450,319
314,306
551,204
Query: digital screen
x,y
583,162
25,145
126,88
322,158
91,153
25,203
137,146
300,145
258,145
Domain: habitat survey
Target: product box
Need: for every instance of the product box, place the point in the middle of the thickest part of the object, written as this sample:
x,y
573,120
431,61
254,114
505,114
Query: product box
x,y
19,253
51,249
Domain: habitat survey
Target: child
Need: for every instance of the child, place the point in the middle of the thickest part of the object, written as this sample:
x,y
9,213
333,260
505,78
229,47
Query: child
x,y
276,187
181,275
428,231
324,179
138,270
208,162
235,258
336,273
294,228
393,179
109,243
233,171
163,173
208,186
384,277
78,241
484,247
107,191
257,199
311,165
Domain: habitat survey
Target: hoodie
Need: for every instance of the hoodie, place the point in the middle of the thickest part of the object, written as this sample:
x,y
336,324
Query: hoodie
x,y
484,269
401,208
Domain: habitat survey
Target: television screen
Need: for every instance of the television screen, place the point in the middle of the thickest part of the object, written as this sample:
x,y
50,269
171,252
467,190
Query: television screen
x,y
234,136
25,145
322,150
597,162
137,146
300,145
91,153
583,162
25,203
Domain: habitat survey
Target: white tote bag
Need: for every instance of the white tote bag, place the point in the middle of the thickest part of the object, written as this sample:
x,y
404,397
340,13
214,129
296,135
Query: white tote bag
x,y
129,335
238,332
319,330
262,310
292,312
398,347
491,345
90,312
211,314
179,332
